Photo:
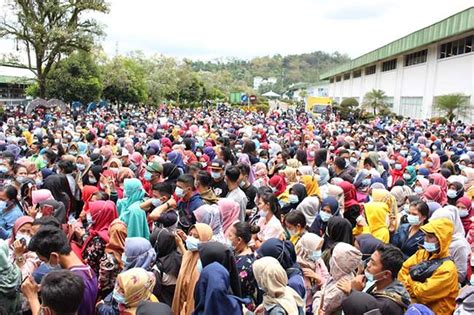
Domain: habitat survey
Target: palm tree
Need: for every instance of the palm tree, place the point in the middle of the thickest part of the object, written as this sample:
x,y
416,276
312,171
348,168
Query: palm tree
x,y
452,105
375,100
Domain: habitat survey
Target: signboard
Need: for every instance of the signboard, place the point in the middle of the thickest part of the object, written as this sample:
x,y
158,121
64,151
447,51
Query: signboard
x,y
253,99
244,98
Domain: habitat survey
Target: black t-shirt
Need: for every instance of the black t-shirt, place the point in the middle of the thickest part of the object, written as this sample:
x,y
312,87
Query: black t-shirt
x,y
251,193
220,188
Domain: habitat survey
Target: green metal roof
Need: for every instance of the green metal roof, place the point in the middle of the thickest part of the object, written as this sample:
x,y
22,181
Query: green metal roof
x,y
15,80
454,25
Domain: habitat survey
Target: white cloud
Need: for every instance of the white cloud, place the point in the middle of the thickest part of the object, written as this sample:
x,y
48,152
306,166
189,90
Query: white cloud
x,y
210,29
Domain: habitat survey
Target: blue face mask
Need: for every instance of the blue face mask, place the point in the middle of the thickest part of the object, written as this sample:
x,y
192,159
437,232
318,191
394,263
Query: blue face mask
x,y
147,176
293,198
215,175
325,216
118,297
366,182
89,219
192,243
315,255
413,219
430,247
156,202
80,167
179,192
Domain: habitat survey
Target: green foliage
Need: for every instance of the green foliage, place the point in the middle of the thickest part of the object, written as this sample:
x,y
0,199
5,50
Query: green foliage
x,y
48,30
439,120
124,81
347,106
374,100
263,108
455,104
32,90
76,78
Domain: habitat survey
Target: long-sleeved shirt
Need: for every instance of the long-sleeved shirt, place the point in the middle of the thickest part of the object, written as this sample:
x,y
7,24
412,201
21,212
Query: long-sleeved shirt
x,y
7,220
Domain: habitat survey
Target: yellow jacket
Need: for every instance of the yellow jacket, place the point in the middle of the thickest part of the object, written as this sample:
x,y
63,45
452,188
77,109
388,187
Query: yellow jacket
x,y
440,290
376,215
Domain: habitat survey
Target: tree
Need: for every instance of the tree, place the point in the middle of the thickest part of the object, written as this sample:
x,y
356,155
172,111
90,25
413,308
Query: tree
x,y
124,81
374,100
455,104
75,78
348,106
49,30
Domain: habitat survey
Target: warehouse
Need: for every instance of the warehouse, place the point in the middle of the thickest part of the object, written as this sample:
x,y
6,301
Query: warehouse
x,y
415,69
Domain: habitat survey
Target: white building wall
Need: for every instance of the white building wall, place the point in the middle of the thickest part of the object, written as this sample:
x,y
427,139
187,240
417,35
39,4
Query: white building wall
x,y
427,80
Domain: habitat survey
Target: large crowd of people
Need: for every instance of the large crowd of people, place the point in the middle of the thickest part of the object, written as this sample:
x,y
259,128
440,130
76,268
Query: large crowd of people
x,y
223,211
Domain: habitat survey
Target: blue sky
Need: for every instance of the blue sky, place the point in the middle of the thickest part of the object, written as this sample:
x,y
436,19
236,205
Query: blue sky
x,y
209,29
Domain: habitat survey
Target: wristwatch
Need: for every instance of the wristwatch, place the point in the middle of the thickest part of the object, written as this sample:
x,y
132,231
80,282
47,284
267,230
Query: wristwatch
x,y
20,259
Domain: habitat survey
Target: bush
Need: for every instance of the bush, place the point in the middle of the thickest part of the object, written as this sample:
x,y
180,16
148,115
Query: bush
x,y
349,102
262,108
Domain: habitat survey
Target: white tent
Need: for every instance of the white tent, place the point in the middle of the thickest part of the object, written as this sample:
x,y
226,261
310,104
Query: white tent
x,y
271,94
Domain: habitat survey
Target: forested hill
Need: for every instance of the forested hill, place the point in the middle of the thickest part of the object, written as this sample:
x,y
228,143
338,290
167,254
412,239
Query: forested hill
x,y
288,69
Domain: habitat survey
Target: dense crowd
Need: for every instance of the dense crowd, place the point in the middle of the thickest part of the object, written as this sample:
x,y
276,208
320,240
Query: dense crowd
x,y
222,211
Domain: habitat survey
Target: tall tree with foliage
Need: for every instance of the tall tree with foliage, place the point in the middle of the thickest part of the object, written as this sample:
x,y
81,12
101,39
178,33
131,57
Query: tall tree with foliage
x,y
124,81
75,78
455,104
50,29
375,100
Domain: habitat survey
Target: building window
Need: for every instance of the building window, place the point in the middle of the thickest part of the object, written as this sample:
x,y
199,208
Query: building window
x,y
457,47
356,73
389,101
347,76
338,78
411,106
389,65
331,80
370,70
416,57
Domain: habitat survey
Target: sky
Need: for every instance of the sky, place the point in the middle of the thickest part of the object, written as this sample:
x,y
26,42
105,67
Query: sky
x,y
211,29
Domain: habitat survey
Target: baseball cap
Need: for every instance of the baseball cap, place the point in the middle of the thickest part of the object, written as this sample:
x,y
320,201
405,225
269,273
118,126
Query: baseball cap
x,y
218,164
154,167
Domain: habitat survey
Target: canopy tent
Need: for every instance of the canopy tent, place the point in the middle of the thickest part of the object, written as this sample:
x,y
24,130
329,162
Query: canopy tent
x,y
271,94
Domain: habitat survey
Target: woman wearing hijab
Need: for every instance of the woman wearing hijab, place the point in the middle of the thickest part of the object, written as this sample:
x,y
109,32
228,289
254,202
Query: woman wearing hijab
x,y
133,286
469,173
383,195
459,249
352,208
455,191
183,300
212,292
261,175
376,214
284,252
438,179
338,230
464,205
176,158
87,192
57,185
138,253
401,194
10,281
153,308
129,210
297,194
229,211
167,265
314,270
210,215
101,215
433,195
111,263
278,184
210,252
26,260
398,169
344,261
433,163
278,297
170,173
329,208
244,159
409,176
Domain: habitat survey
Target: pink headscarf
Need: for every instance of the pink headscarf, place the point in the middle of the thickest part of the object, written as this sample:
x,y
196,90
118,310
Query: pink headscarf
x,y
244,159
18,224
230,211
436,162
433,193
439,180
41,195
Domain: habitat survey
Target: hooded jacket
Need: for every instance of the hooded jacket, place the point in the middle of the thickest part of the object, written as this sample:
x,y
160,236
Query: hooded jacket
x,y
440,290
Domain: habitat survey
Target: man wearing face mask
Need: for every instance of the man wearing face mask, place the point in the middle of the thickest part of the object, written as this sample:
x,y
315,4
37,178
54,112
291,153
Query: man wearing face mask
x,y
188,202
219,186
430,276
52,247
380,279
163,206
